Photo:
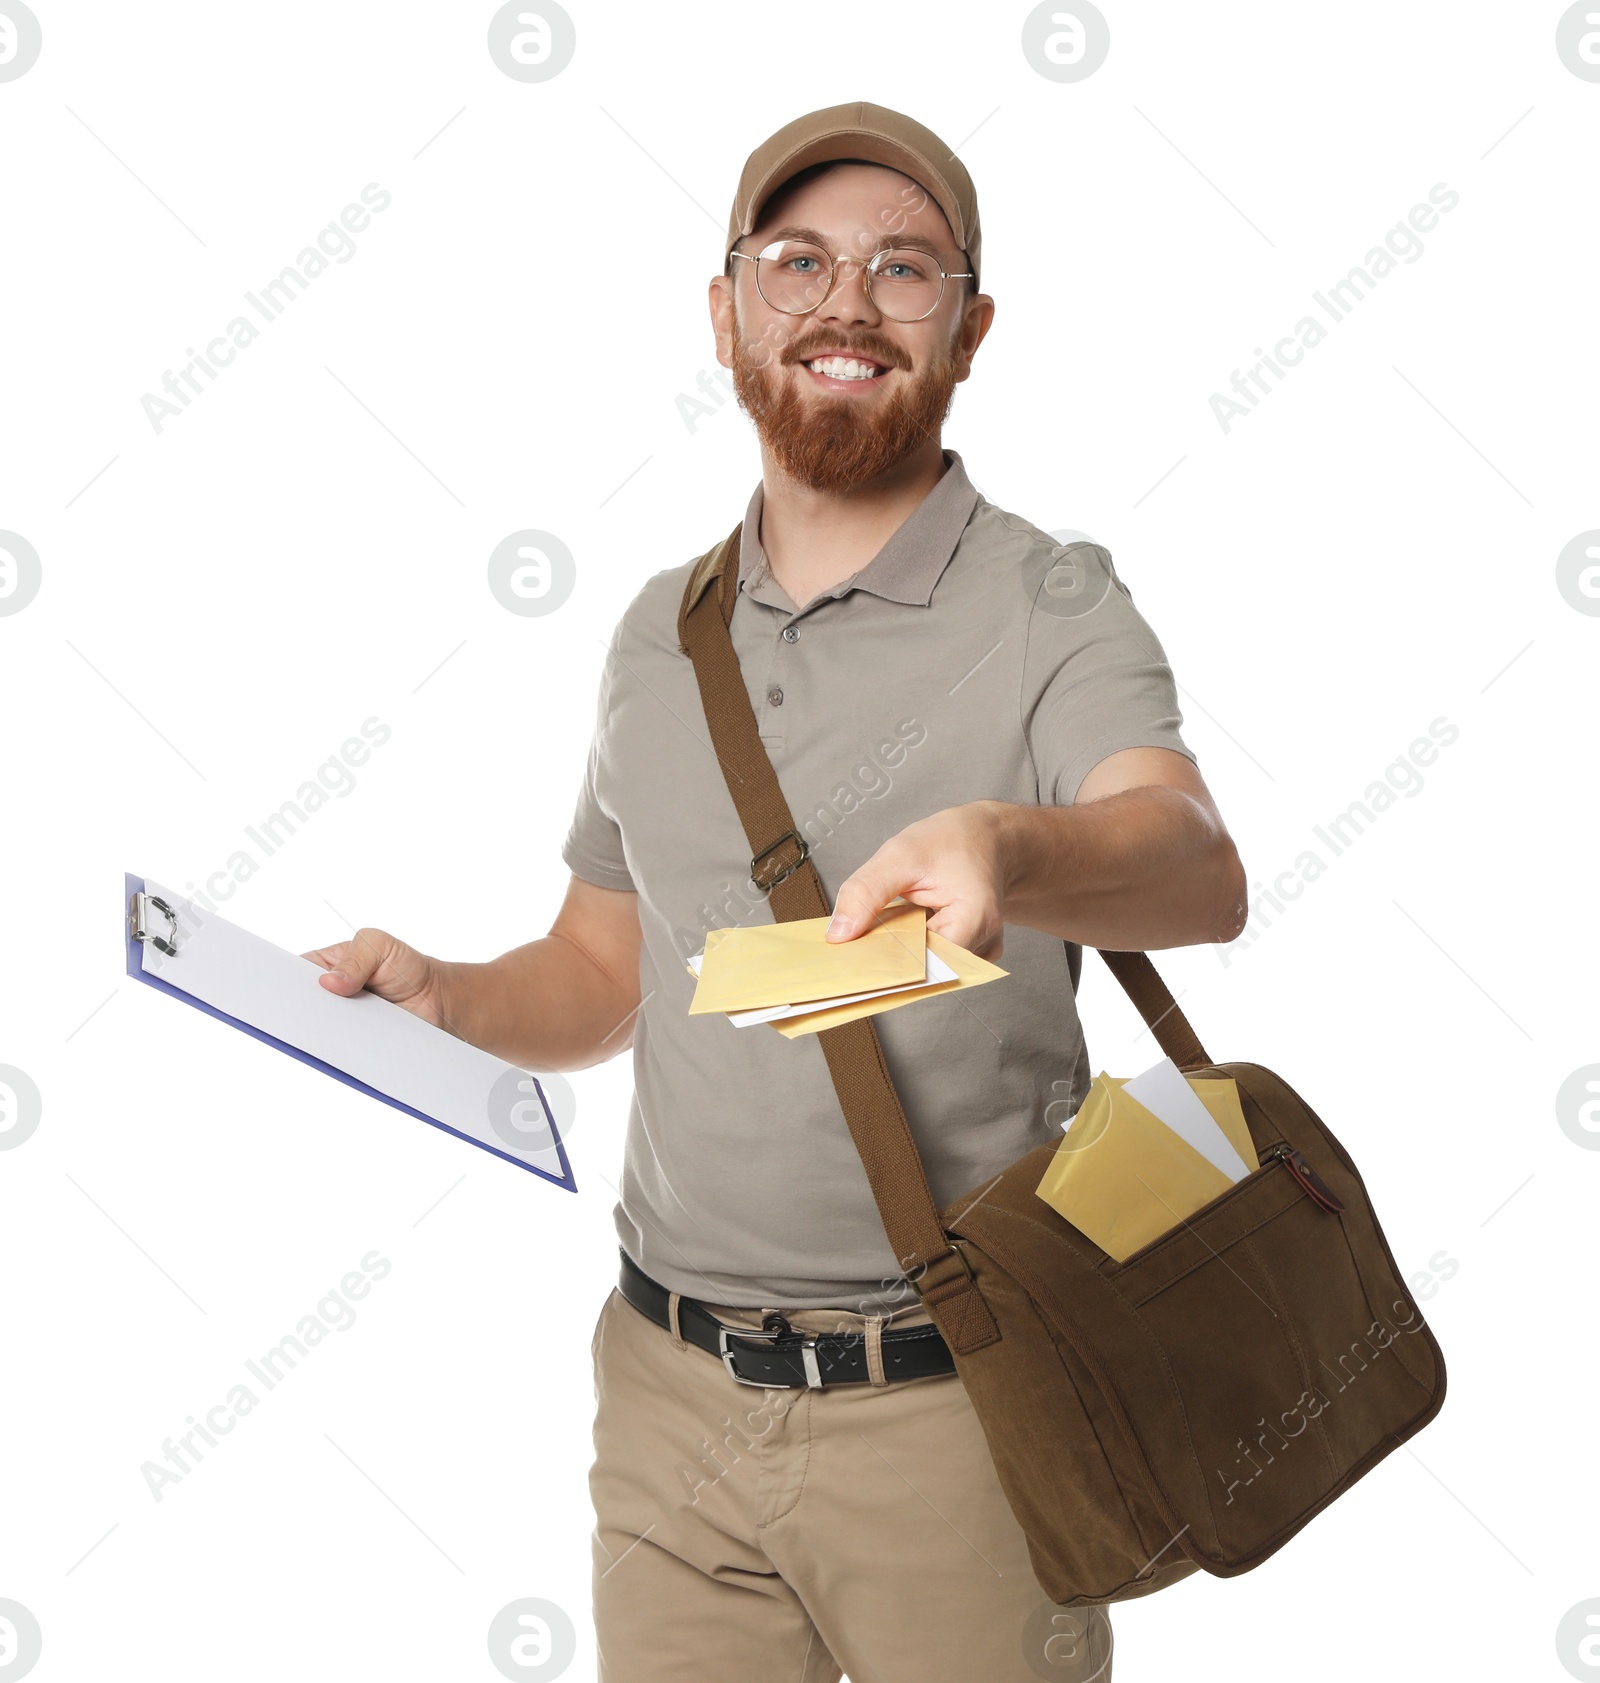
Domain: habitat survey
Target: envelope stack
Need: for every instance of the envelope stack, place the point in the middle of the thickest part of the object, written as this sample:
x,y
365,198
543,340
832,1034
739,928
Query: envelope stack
x,y
789,975
1142,1155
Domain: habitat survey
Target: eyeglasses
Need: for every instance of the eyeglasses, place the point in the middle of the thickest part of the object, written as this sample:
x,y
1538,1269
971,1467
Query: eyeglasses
x,y
795,276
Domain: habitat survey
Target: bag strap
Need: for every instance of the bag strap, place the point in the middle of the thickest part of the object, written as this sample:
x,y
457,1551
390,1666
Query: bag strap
x,y
780,864
1153,1000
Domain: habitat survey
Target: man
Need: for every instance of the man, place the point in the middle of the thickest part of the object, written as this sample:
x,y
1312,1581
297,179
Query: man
x,y
960,712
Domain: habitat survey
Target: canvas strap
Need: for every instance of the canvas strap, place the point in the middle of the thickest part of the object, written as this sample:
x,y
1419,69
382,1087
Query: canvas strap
x,y
855,1057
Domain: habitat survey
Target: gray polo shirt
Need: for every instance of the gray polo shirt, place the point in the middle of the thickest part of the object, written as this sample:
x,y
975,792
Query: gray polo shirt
x,y
972,658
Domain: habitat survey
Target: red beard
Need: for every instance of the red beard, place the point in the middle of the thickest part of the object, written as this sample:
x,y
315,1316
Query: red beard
x,y
831,441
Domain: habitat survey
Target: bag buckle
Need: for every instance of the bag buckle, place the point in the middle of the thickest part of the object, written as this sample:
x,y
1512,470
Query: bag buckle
x,y
960,1256
766,885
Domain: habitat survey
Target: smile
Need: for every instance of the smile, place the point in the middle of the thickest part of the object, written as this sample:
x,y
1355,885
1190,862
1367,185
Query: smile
x,y
845,370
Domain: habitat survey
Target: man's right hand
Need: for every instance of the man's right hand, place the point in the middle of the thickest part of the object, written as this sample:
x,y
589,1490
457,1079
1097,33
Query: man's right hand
x,y
565,1001
382,964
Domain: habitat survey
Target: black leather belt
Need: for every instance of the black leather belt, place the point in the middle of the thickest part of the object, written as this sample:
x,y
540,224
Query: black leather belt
x,y
778,1356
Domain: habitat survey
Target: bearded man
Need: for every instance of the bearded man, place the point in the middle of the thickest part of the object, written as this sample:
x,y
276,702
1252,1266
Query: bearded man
x,y
789,1478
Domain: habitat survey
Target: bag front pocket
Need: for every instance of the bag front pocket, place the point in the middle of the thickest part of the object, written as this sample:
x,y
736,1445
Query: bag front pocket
x,y
1200,1238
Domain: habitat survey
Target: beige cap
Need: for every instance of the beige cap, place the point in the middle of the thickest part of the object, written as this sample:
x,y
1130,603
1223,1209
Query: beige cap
x,y
874,134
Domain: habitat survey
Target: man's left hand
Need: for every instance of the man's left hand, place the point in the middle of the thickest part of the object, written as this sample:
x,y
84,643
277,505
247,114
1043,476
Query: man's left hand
x,y
951,863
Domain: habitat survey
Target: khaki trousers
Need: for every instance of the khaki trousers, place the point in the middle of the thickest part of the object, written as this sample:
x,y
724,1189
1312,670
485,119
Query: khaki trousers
x,y
754,1535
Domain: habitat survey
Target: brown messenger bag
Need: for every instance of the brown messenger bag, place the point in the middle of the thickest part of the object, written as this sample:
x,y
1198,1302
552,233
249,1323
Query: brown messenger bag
x,y
1191,1407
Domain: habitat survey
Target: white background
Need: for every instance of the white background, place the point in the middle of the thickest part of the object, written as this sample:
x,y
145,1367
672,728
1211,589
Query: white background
x,y
305,546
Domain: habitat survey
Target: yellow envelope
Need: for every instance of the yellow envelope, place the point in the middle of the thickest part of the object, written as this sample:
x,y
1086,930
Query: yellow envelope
x,y
971,972
1122,1177
1220,1095
788,963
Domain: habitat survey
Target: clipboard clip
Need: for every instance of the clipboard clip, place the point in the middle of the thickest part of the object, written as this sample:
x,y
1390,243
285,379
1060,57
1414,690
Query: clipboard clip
x,y
140,908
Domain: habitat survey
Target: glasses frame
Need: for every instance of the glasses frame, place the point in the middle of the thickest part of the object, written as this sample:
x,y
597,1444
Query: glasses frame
x,y
868,268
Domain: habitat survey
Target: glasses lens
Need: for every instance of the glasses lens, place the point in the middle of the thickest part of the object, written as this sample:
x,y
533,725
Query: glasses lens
x,y
905,284
793,276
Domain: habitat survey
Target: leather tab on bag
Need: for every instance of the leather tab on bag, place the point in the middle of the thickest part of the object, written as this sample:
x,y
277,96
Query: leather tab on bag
x,y
966,1321
949,1293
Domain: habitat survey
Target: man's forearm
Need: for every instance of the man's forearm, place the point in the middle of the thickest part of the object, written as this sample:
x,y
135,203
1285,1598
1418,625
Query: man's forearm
x,y
1136,871
548,1005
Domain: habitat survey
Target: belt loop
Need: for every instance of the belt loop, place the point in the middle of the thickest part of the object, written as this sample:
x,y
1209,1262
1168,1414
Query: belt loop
x,y
875,1371
672,1321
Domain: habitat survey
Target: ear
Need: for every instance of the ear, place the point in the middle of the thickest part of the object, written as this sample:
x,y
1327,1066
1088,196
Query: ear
x,y
723,324
977,316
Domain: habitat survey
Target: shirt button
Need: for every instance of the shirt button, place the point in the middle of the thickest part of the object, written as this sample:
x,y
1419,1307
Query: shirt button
x,y
775,697
791,634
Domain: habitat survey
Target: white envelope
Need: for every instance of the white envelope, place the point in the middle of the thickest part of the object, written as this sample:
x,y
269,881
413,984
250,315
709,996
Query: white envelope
x,y
1164,1092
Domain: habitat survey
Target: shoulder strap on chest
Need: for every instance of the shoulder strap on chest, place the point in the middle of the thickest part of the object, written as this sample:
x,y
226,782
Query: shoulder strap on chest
x,y
781,865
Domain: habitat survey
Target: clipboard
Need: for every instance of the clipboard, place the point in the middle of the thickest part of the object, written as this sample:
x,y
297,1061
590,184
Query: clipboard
x,y
191,954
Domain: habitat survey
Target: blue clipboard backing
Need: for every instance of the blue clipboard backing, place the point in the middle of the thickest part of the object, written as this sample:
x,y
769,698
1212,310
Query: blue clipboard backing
x,y
135,960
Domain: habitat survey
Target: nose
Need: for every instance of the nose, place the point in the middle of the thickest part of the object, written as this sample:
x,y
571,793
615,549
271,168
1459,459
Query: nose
x,y
848,300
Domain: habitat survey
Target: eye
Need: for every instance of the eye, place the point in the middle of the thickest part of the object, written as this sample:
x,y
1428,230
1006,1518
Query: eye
x,y
903,266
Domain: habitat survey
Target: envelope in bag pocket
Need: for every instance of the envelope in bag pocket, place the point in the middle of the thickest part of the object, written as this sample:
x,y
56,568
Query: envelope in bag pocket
x,y
1122,1177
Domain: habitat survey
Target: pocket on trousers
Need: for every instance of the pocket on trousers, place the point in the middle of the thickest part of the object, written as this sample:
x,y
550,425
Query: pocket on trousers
x,y
599,1324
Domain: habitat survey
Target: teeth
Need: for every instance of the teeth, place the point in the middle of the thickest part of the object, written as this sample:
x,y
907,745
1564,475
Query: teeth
x,y
843,368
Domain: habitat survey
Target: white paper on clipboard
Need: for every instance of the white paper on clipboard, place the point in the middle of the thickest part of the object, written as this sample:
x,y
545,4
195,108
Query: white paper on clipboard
x,y
366,1042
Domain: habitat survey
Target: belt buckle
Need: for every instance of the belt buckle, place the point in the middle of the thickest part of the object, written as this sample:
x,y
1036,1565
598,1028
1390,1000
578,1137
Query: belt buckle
x,y
723,1333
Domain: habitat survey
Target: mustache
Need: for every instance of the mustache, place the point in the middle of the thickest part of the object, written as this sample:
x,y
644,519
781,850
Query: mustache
x,y
874,350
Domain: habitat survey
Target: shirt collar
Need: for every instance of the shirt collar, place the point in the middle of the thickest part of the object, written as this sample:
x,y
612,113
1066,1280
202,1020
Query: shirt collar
x,y
909,564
